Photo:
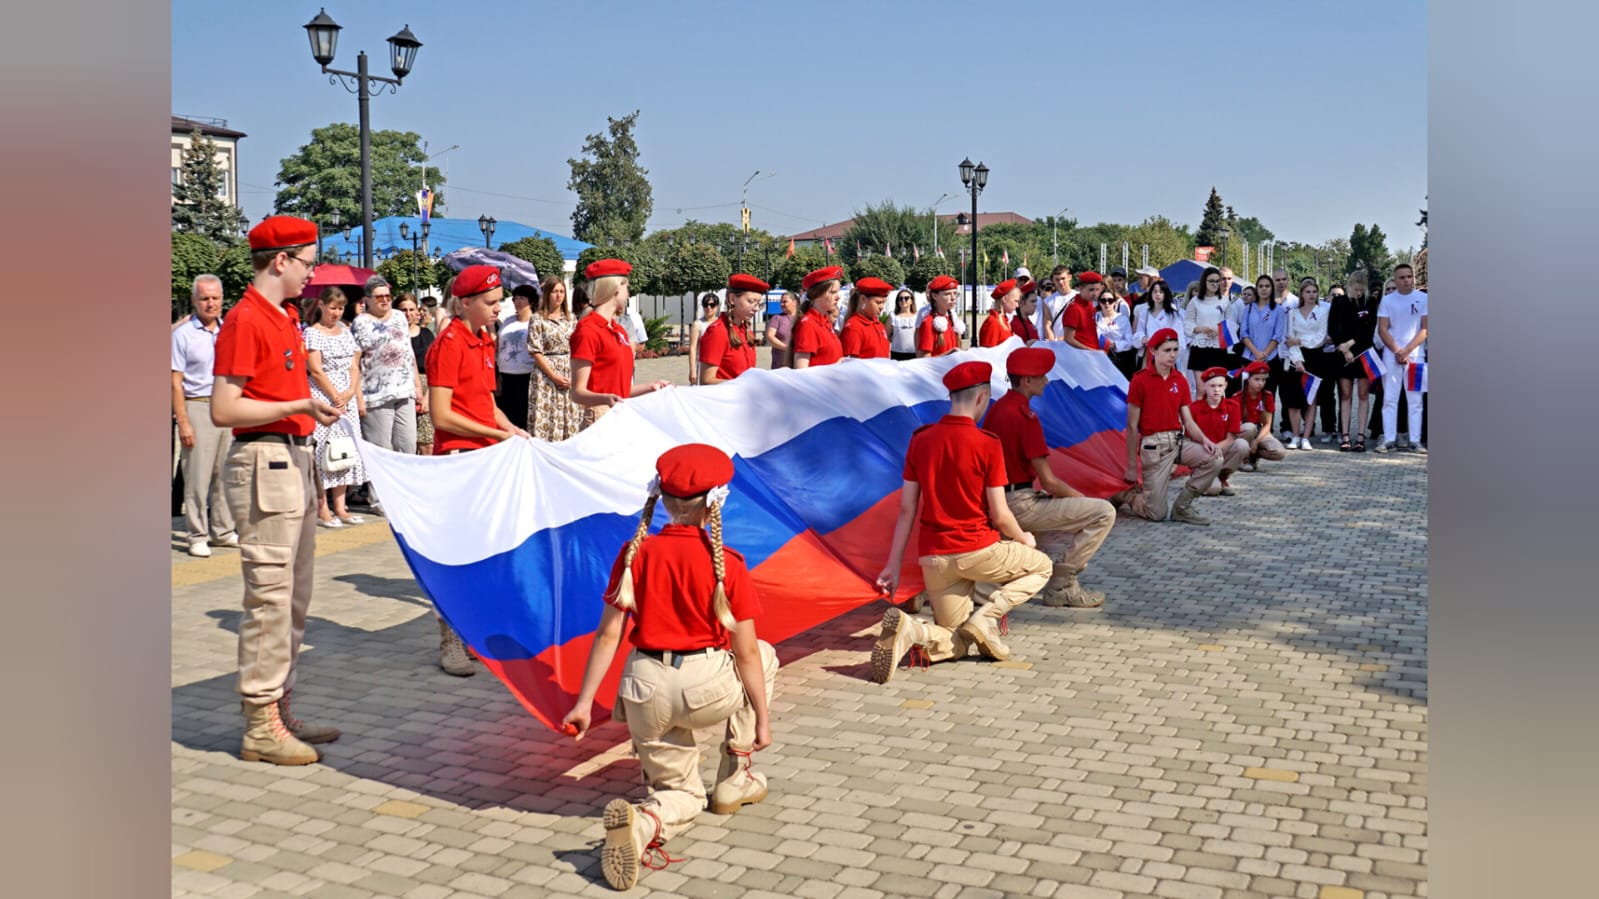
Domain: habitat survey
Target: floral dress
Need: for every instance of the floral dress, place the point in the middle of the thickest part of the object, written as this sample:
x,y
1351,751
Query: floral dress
x,y
552,413
338,350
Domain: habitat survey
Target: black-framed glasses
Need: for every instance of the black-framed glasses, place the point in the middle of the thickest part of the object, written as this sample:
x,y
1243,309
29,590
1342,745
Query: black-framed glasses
x,y
310,264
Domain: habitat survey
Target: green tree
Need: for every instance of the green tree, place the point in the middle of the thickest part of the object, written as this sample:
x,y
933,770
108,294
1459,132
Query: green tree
x,y
407,272
613,195
198,206
1167,242
324,176
693,267
926,269
236,273
645,257
1209,233
886,226
1368,249
1250,229
789,273
192,256
540,251
885,267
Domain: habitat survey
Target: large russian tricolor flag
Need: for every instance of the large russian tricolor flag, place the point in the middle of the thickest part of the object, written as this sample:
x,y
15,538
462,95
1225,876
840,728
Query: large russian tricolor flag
x,y
513,543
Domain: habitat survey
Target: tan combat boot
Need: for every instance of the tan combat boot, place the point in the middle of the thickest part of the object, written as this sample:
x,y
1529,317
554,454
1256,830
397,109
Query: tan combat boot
x,y
452,652
308,733
736,785
1063,590
632,840
1182,509
899,635
266,739
981,628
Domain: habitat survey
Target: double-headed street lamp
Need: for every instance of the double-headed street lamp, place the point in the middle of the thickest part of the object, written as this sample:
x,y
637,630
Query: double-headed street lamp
x,y
324,34
486,223
416,261
333,222
974,180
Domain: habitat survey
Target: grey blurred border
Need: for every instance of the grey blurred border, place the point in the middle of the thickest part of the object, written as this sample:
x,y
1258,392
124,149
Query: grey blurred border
x,y
84,570
1513,617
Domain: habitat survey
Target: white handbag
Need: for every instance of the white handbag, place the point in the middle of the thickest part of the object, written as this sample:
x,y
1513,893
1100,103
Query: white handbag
x,y
338,453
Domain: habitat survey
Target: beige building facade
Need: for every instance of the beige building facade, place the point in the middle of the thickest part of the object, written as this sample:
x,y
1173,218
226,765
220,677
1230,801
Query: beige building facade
x,y
226,140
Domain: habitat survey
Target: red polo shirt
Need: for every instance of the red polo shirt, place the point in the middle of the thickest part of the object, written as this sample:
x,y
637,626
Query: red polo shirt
x,y
609,352
1023,328
864,338
1216,423
716,348
261,343
1020,433
814,334
1158,399
954,462
1079,316
994,331
927,338
1255,410
673,580
463,362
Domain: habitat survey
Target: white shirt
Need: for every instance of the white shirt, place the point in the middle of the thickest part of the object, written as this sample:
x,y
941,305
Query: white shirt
x,y
902,333
1115,325
1051,308
511,355
1203,313
1310,328
1404,313
1149,322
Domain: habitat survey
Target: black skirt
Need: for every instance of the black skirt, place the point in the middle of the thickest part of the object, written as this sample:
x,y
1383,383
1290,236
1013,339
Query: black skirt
x,y
895,354
1203,357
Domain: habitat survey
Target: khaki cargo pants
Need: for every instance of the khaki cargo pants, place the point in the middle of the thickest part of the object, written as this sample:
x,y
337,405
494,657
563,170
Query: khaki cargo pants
x,y
270,490
1160,453
1069,529
663,706
1019,571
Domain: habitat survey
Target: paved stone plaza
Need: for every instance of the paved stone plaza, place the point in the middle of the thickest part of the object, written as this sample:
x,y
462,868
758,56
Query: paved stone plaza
x,y
1246,717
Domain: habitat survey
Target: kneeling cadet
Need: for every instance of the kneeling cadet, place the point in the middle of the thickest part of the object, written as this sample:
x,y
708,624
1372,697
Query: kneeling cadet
x,y
955,474
695,663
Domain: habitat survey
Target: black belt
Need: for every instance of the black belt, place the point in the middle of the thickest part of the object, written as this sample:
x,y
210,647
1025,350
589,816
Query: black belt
x,y
285,439
677,656
1013,487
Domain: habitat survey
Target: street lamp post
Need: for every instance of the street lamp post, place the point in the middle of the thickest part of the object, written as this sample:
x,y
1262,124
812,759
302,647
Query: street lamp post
x,y
1054,235
324,34
333,222
941,198
486,223
974,179
1225,233
417,240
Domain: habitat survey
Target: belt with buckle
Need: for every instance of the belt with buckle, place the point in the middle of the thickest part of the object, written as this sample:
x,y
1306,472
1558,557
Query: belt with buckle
x,y
274,436
1014,487
197,399
673,657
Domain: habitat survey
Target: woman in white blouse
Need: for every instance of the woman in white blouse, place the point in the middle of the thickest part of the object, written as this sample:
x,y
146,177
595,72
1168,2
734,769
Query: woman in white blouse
x,y
1158,311
1306,332
1113,321
902,330
1201,323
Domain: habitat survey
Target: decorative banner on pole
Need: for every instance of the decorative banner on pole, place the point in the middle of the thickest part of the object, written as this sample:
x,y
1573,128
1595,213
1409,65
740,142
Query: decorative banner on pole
x,y
1202,254
1103,249
424,204
1125,249
1145,263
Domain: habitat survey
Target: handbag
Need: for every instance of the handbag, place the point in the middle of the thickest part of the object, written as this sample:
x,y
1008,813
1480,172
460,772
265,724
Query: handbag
x,y
338,453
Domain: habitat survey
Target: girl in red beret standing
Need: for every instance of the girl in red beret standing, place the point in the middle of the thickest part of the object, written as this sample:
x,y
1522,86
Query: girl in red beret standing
x,y
815,342
864,335
602,351
696,663
937,335
997,326
725,349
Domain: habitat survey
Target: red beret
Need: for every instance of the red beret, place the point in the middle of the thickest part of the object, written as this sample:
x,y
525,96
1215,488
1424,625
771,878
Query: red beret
x,y
1028,285
1090,278
747,282
874,287
281,232
1160,337
831,273
942,282
1215,371
1256,368
693,468
1029,362
475,279
606,268
968,374
1003,288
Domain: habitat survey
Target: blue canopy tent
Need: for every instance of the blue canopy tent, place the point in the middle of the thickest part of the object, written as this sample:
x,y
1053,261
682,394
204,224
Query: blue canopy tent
x,y
1180,273
447,234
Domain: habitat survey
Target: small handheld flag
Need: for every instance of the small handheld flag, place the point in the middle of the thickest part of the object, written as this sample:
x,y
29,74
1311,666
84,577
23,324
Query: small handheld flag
x,y
1225,336
1104,342
1416,377
1372,363
1311,383
1235,372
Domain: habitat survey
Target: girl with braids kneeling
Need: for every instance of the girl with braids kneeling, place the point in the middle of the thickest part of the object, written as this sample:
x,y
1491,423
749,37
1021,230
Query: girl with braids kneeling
x,y
695,663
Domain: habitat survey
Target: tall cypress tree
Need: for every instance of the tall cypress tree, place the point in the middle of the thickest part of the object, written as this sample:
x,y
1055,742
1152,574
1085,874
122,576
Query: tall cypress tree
x,y
1209,234
197,205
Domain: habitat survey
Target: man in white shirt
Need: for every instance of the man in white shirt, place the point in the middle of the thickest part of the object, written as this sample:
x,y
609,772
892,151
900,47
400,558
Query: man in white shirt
x,y
1402,335
1050,308
1285,297
205,446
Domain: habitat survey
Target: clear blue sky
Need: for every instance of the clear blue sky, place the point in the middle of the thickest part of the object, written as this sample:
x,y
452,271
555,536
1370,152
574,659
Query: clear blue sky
x,y
1309,116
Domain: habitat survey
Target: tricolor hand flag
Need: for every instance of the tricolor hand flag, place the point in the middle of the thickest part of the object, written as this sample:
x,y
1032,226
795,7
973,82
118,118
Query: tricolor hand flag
x,y
1311,383
1416,377
1225,336
514,543
1104,342
1372,363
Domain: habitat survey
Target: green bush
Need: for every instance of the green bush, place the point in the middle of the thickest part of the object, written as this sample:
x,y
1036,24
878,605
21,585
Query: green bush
x,y
885,267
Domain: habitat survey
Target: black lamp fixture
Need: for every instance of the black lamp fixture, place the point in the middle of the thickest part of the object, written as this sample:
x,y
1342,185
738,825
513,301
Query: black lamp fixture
x,y
974,179
486,223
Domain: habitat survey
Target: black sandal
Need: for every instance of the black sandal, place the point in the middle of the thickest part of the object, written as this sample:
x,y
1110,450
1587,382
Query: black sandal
x,y
1360,443
1344,445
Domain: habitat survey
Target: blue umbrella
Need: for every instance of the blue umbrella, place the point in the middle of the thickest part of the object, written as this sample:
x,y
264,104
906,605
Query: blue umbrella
x,y
514,271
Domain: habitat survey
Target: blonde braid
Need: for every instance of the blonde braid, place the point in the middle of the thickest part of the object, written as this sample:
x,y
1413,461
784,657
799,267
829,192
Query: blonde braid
x,y
719,603
624,586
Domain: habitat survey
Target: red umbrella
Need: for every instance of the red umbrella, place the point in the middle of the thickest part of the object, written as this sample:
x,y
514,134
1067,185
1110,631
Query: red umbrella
x,y
338,276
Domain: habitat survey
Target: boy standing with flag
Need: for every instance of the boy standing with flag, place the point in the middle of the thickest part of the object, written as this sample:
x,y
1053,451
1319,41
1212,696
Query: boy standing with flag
x,y
1402,333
